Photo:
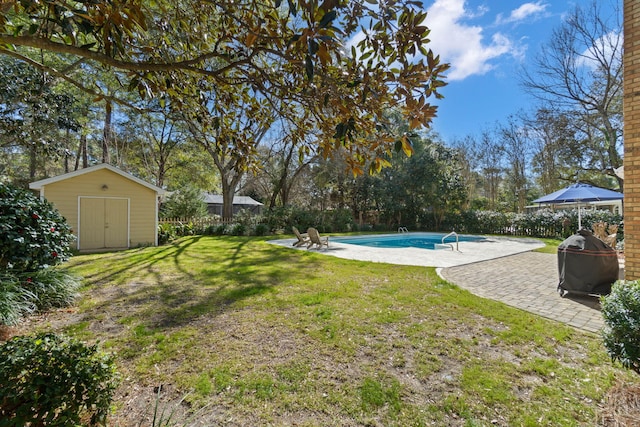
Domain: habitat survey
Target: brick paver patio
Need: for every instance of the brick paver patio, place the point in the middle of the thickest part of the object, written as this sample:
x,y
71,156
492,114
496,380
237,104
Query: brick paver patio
x,y
527,281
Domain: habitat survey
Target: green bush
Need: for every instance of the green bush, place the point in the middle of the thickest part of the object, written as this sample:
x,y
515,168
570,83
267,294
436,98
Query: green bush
x,y
277,218
187,202
238,230
541,223
283,218
24,293
341,220
33,234
166,233
187,229
246,218
50,380
16,300
52,287
261,229
220,229
621,312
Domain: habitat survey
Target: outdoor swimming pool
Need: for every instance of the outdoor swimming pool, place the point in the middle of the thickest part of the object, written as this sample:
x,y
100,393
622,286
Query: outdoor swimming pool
x,y
405,240
416,248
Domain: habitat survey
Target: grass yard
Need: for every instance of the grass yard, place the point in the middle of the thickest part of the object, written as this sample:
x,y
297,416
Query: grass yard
x,y
235,331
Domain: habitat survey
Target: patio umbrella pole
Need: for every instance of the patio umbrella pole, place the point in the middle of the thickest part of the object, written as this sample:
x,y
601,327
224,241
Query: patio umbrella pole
x,y
579,217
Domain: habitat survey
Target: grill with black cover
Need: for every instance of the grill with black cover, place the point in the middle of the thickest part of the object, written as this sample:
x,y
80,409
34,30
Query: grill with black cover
x,y
586,265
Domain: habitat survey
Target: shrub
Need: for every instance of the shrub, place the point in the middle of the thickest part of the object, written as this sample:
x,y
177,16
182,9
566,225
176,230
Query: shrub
x,y
283,218
541,223
54,380
24,293
15,300
187,202
261,229
220,229
166,233
278,217
238,230
621,312
341,220
52,288
245,218
33,234
187,229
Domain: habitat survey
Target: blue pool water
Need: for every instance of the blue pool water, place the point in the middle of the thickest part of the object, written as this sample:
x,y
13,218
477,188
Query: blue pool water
x,y
404,240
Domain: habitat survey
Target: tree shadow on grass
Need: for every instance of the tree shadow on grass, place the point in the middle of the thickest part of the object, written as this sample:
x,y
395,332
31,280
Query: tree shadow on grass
x,y
132,262
197,284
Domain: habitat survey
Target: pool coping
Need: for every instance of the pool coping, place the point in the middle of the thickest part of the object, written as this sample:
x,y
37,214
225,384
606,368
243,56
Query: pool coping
x,y
470,252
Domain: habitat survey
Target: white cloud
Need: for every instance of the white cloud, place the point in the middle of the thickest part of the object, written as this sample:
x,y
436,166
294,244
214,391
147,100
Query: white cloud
x,y
461,44
605,50
470,49
525,11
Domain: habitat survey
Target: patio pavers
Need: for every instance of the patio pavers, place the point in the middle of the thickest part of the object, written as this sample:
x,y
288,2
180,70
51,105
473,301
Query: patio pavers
x,y
527,281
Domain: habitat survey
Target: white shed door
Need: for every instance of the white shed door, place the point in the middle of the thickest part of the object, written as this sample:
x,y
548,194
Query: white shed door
x,y
104,223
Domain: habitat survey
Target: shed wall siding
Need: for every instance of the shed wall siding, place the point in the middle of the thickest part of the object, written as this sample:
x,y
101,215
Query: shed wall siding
x,y
65,197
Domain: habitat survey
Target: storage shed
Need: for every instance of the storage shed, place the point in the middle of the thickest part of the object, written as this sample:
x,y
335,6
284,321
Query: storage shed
x,y
106,207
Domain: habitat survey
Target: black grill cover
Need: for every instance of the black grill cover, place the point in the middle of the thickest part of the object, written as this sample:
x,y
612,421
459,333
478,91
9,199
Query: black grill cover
x,y
586,265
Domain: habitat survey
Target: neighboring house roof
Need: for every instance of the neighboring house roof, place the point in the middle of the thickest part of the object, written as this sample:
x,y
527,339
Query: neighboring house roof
x,y
37,185
237,200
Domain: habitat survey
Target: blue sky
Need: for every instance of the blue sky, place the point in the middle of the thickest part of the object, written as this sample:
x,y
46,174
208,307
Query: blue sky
x,y
487,42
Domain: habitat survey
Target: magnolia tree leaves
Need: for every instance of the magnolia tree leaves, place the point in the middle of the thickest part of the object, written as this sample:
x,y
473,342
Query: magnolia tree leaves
x,y
341,63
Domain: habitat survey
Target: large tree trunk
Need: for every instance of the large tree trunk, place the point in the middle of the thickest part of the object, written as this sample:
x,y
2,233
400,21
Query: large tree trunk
x,y
227,200
229,186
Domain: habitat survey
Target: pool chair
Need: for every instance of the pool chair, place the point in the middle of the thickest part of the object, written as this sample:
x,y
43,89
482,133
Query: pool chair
x,y
303,238
315,239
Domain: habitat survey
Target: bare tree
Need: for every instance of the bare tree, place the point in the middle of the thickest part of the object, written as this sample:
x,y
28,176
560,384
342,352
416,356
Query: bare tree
x,y
549,139
468,158
284,161
580,71
156,141
516,147
491,155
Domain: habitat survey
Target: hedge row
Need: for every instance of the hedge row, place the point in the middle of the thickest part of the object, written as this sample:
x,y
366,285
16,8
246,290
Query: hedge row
x,y
542,223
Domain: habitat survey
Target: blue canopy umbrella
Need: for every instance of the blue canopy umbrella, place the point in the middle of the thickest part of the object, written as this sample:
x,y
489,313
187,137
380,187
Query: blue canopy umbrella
x,y
579,193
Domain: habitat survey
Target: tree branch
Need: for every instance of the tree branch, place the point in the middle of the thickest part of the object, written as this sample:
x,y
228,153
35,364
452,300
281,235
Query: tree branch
x,y
187,65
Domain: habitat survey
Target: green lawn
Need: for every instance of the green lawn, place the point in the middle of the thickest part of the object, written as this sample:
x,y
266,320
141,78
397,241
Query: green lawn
x,y
248,333
551,245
